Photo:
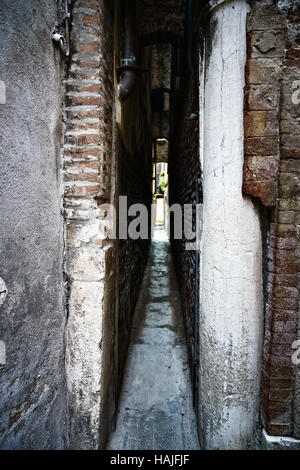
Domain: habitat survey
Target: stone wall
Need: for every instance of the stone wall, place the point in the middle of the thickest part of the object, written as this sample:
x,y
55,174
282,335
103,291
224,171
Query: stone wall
x,y
32,381
272,175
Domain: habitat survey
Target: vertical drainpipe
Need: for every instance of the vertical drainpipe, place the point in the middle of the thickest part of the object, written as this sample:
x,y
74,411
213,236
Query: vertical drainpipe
x,y
128,62
189,24
196,316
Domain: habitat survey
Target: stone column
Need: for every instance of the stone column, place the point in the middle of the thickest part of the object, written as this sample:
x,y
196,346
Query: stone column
x,y
231,302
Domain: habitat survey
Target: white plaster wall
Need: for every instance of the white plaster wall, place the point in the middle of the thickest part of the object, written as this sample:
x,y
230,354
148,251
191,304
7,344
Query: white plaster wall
x,y
231,250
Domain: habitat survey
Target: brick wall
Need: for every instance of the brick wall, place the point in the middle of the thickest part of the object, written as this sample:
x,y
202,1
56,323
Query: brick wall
x,y
89,255
184,168
163,16
133,179
135,183
272,175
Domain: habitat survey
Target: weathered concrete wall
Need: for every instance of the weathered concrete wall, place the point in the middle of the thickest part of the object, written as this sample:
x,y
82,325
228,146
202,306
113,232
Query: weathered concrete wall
x,y
32,382
231,250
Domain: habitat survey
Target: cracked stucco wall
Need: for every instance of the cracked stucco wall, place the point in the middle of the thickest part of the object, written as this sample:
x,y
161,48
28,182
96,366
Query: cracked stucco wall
x,y
32,319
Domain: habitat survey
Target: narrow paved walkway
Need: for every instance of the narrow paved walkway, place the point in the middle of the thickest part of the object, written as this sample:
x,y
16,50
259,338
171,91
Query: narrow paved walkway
x,y
156,410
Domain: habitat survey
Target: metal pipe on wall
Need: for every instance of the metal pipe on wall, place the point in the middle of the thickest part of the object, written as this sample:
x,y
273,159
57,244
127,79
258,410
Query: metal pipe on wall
x,y
129,75
196,313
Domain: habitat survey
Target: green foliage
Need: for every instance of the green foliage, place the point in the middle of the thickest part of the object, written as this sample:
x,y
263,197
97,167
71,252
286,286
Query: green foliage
x,y
162,182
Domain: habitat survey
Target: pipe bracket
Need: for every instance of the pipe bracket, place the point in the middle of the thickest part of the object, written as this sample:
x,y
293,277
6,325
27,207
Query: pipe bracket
x,y
135,68
61,31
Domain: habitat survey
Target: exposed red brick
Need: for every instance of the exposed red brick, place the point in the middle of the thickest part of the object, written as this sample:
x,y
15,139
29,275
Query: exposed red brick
x,y
278,372
73,115
91,19
261,124
279,395
263,190
293,53
83,152
278,429
278,291
289,152
83,139
86,191
261,146
90,177
85,100
285,326
260,168
286,243
87,46
90,88
273,315
289,191
93,4
82,127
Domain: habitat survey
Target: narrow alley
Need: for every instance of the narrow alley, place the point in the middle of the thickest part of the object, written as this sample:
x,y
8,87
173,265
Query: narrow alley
x,y
156,409
149,226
